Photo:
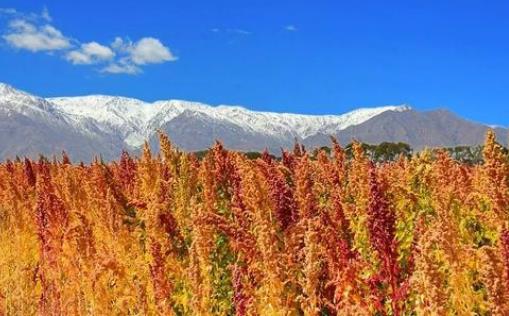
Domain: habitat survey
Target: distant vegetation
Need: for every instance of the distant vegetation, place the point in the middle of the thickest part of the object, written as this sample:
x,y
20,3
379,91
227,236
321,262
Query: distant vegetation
x,y
385,152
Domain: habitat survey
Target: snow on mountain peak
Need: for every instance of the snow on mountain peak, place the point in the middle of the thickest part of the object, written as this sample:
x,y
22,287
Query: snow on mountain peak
x,y
13,100
115,111
5,88
134,120
137,120
7,91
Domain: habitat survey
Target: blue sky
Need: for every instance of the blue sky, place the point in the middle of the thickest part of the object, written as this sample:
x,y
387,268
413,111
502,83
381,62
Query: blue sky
x,y
312,57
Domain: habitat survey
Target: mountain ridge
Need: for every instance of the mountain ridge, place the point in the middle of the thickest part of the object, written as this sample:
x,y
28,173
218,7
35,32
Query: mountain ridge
x,y
105,125
159,112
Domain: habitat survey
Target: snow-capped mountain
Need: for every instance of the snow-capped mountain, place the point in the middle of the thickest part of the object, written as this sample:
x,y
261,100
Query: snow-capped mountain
x,y
31,125
137,120
15,101
97,124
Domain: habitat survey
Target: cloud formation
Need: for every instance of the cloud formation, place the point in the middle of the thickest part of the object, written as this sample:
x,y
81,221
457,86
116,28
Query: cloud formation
x,y
150,50
121,68
147,50
34,32
22,34
90,53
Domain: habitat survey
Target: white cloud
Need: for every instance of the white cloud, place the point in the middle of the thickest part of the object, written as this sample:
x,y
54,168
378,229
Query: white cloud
x,y
33,32
26,35
122,68
90,53
291,28
150,50
119,44
147,50
22,26
97,50
77,57
33,17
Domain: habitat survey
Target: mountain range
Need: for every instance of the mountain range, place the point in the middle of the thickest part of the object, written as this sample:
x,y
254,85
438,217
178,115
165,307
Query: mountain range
x,y
88,126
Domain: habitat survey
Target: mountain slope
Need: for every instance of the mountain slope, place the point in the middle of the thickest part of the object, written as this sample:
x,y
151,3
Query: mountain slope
x,y
97,124
439,128
30,126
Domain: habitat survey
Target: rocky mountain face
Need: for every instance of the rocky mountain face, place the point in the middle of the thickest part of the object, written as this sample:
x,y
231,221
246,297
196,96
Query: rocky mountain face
x,y
95,125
